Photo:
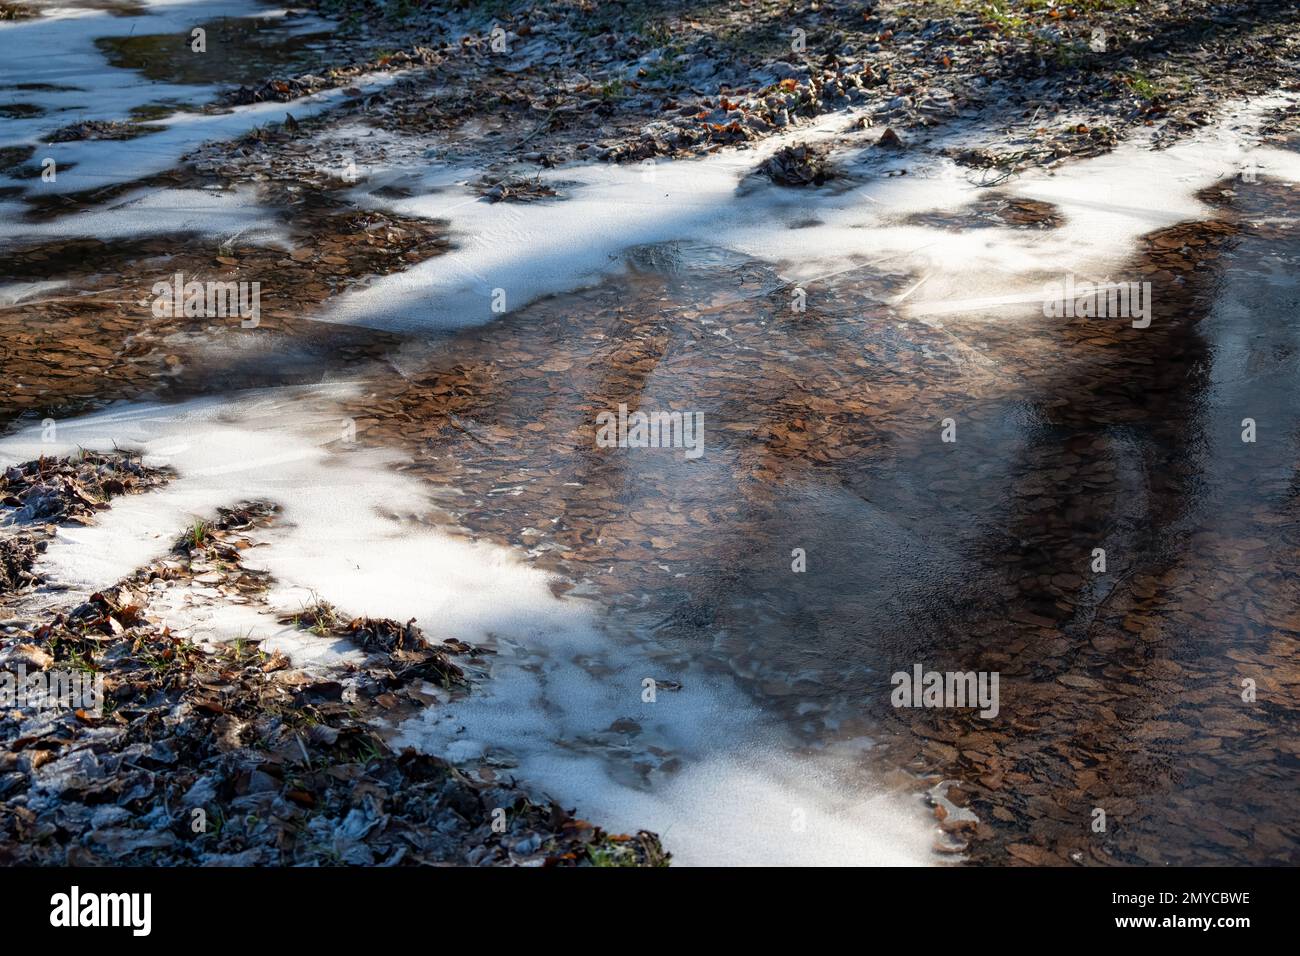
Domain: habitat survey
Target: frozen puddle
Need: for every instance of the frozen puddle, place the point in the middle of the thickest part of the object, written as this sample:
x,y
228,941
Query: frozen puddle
x,y
566,705
72,81
57,70
53,67
701,765
510,254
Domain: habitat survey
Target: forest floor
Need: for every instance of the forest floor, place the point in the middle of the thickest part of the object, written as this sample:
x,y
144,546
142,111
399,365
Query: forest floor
x,y
293,755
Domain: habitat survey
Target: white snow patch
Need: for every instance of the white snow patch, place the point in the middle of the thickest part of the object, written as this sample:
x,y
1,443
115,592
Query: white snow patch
x,y
348,532
147,212
206,619
96,163
719,781
536,249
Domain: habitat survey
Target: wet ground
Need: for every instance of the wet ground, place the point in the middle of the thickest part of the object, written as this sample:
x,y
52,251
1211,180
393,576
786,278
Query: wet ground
x,y
243,51
1120,690
827,537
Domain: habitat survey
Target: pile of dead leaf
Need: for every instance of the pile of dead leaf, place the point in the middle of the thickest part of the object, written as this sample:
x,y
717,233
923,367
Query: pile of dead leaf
x,y
400,653
17,555
37,495
291,88
73,488
801,164
231,756
516,190
101,129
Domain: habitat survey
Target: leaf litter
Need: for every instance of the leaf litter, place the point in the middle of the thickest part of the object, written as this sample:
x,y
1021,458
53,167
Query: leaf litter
x,y
228,755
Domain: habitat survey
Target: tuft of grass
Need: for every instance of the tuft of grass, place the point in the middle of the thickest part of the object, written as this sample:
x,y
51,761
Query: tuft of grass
x,y
82,661
175,657
1140,84
1005,19
612,851
197,535
244,646
654,31
668,68
319,617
